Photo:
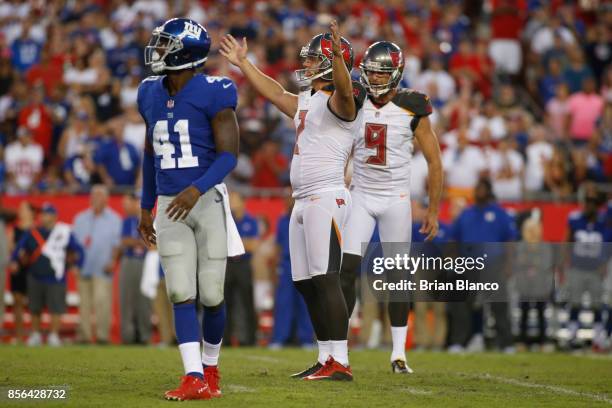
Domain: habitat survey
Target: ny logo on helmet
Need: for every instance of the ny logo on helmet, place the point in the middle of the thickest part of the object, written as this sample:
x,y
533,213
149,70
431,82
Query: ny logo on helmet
x,y
192,30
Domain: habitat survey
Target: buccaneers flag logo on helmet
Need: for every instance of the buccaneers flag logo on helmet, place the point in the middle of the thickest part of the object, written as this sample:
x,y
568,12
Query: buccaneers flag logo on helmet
x,y
320,48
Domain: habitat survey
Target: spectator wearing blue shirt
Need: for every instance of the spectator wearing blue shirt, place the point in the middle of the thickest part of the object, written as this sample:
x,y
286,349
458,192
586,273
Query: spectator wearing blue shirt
x,y
241,318
453,27
587,230
78,170
577,71
98,230
484,222
290,312
46,252
135,307
119,56
117,162
25,51
293,17
548,83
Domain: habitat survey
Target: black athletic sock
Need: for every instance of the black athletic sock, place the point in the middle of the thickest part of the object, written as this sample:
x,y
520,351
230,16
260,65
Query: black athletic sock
x,y
330,295
597,314
477,320
525,306
398,304
541,322
398,313
315,308
348,275
574,313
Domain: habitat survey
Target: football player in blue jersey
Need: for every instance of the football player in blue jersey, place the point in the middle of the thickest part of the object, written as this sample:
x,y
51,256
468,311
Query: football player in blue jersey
x,y
587,264
191,145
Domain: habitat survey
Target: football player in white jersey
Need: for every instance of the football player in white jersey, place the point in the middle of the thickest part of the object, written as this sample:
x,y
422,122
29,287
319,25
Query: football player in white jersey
x,y
380,188
326,116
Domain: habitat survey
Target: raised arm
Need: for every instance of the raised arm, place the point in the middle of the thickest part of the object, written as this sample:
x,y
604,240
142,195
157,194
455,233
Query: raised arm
x,y
236,53
341,102
431,150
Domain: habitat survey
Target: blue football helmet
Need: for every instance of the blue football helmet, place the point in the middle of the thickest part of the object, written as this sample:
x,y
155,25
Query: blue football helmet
x,y
179,43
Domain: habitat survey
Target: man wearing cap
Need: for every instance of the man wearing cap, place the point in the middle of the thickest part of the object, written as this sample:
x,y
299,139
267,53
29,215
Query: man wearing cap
x,y
47,251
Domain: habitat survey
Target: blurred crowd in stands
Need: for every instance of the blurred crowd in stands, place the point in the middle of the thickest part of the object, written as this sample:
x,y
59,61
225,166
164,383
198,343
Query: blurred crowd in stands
x,y
522,93
522,89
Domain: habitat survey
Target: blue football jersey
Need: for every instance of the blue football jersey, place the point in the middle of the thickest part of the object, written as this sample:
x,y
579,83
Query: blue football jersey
x,y
587,237
180,127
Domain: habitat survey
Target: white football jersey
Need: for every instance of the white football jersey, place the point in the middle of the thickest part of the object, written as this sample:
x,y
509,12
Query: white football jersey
x,y
323,143
384,143
24,162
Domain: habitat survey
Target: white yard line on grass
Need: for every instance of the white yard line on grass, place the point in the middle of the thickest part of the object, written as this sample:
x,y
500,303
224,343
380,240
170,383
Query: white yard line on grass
x,y
416,391
551,388
238,388
595,356
264,359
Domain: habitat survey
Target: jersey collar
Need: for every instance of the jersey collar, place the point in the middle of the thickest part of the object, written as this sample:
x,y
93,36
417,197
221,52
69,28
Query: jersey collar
x,y
180,92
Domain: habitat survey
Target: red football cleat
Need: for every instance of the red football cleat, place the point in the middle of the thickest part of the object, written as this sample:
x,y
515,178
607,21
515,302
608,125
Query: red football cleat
x,y
332,370
191,388
211,374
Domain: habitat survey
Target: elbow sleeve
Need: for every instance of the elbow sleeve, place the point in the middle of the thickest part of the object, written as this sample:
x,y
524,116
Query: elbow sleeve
x,y
149,195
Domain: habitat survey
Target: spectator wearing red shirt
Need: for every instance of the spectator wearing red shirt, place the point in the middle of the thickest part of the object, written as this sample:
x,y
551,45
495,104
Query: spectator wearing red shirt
x,y
506,24
269,165
411,26
36,117
378,12
465,64
486,66
46,72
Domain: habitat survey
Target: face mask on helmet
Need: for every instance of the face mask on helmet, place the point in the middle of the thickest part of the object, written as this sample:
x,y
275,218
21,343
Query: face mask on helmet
x,y
160,46
383,58
377,90
319,66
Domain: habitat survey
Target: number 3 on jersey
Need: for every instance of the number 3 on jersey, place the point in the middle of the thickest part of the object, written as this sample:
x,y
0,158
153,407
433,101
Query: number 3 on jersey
x,y
300,129
376,138
166,149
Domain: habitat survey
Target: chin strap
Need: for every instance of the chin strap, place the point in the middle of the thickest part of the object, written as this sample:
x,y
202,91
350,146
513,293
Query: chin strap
x,y
307,81
159,67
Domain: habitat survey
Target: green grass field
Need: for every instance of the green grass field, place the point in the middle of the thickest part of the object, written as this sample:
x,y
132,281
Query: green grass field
x,y
130,376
